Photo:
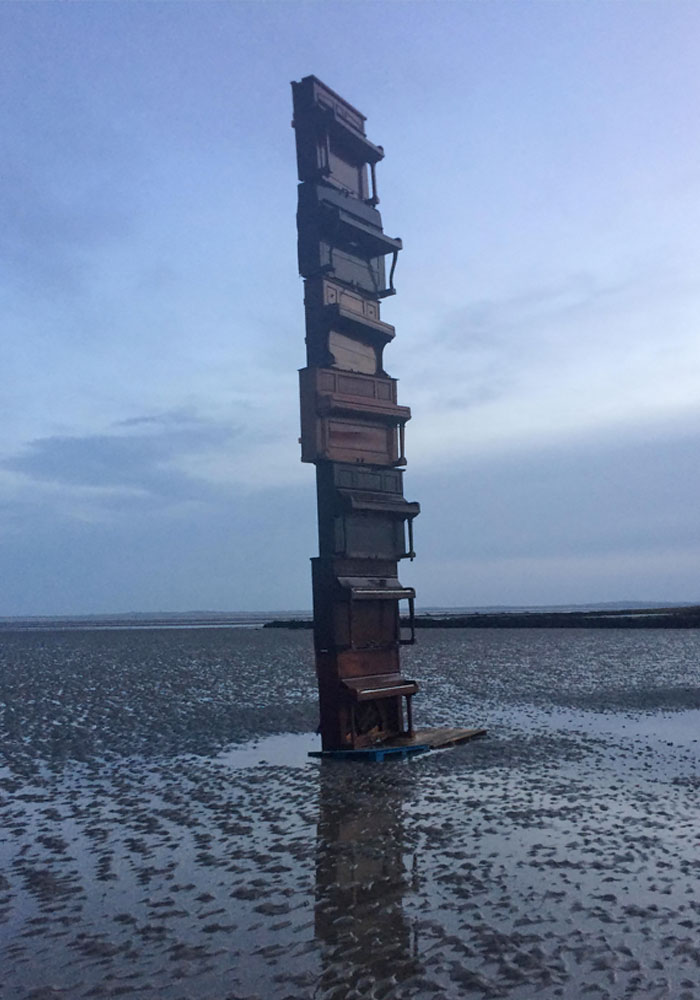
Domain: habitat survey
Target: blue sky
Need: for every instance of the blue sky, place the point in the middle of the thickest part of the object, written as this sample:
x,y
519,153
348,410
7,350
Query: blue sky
x,y
543,169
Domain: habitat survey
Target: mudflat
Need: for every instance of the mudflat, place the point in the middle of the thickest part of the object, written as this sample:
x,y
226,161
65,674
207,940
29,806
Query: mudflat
x,y
163,832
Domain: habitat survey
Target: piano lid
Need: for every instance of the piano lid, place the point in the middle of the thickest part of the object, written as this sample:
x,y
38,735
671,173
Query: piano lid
x,y
365,588
314,101
379,686
348,319
386,503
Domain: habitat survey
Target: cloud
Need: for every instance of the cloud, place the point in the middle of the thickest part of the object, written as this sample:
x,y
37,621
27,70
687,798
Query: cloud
x,y
582,357
172,418
582,521
666,574
144,456
615,506
486,322
51,230
237,551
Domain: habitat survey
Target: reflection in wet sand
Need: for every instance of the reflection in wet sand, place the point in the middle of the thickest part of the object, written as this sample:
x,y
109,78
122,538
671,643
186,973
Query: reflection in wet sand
x,y
361,879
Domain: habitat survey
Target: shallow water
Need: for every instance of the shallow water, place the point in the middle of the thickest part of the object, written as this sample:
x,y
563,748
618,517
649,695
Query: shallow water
x,y
164,834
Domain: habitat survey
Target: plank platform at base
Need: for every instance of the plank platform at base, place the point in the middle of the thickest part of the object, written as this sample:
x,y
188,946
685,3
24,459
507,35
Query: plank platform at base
x,y
443,736
405,746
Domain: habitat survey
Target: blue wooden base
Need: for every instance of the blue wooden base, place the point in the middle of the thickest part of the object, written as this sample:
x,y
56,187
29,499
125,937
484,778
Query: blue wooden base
x,y
371,753
405,746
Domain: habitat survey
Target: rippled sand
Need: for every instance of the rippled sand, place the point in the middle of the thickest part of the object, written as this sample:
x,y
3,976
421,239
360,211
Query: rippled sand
x,y
159,840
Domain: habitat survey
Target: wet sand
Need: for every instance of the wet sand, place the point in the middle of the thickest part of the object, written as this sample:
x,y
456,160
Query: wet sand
x,y
163,833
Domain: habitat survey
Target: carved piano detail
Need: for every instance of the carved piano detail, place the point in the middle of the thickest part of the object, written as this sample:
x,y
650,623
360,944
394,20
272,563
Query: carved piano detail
x,y
347,417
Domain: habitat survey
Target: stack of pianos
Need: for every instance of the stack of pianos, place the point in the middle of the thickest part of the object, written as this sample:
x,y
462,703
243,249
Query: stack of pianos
x,y
352,429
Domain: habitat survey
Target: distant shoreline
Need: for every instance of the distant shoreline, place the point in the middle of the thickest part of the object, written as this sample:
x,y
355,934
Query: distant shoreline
x,y
675,617
134,622
684,616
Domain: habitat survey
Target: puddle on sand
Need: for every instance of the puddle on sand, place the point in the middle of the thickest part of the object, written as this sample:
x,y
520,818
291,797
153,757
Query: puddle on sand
x,y
680,726
283,749
677,728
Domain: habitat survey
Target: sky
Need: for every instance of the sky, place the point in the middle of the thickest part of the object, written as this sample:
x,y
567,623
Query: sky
x,y
543,170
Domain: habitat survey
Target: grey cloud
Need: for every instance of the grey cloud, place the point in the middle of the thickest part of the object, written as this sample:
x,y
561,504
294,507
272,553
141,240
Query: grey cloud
x,y
592,499
584,498
135,461
476,388
495,341
488,322
68,187
46,235
247,552
182,417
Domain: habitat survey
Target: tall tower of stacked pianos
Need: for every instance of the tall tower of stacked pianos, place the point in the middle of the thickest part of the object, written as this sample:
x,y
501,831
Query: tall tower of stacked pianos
x,y
352,428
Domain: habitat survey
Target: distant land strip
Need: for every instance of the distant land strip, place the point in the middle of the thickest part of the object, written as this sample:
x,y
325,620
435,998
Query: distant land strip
x,y
132,621
683,616
677,617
